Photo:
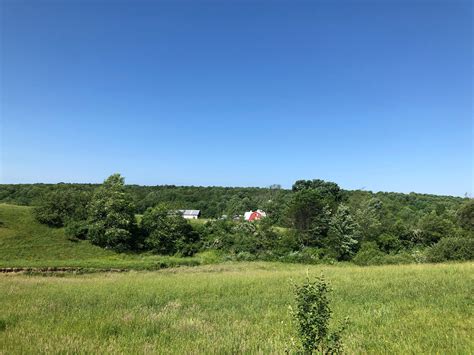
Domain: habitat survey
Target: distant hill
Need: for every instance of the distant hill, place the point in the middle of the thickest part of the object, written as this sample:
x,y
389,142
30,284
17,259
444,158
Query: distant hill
x,y
215,201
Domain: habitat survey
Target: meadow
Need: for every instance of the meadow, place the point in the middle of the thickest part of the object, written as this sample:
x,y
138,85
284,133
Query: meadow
x,y
235,307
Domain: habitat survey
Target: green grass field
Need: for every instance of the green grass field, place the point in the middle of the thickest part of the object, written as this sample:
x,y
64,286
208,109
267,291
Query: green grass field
x,y
230,308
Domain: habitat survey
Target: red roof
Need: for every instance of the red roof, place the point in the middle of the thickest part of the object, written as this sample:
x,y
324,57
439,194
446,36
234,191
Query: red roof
x,y
255,215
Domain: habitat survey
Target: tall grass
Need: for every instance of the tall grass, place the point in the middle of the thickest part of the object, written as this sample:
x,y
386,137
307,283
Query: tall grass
x,y
240,307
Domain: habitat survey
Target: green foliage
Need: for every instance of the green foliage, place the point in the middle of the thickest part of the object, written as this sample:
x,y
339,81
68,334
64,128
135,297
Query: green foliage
x,y
77,230
310,216
168,233
466,215
313,313
368,254
448,249
313,215
58,207
343,234
330,191
212,201
112,216
434,227
26,243
388,243
368,216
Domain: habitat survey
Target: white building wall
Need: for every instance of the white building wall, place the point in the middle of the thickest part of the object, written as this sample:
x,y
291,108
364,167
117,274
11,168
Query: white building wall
x,y
190,217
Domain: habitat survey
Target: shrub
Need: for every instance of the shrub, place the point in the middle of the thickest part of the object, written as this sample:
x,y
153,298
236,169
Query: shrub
x,y
369,254
389,243
209,256
452,249
77,230
312,314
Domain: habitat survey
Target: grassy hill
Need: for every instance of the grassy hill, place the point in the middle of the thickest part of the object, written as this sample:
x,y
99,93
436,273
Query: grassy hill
x,y
26,243
235,308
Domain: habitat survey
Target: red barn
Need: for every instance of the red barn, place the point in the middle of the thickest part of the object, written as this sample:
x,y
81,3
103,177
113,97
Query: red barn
x,y
254,215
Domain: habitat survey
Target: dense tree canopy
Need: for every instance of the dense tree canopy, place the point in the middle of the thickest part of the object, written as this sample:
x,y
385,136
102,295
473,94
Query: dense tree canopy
x,y
466,215
312,221
167,232
60,206
112,215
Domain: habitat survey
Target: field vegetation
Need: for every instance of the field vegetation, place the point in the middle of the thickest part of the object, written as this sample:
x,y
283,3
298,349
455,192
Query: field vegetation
x,y
236,307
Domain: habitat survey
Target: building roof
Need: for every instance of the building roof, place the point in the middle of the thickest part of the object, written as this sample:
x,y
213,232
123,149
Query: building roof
x,y
190,212
248,215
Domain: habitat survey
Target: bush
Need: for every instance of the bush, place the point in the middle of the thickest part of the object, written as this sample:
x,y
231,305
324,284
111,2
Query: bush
x,y
368,254
209,256
77,230
312,314
452,249
389,243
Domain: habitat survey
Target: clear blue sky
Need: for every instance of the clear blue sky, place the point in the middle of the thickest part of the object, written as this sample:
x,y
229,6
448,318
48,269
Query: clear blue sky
x,y
369,94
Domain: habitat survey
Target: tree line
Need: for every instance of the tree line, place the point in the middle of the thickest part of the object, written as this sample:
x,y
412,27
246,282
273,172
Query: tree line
x,y
314,221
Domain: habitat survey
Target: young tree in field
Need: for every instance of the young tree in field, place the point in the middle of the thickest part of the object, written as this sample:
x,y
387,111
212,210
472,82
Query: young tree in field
x,y
168,233
112,216
312,314
343,237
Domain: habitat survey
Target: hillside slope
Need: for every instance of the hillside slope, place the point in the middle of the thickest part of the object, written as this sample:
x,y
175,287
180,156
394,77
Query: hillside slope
x,y
26,243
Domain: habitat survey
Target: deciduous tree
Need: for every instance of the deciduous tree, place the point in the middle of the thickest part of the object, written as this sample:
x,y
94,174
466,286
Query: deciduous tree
x,y
112,216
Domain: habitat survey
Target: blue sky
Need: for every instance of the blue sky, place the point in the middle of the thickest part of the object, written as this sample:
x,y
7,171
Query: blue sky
x,y
369,94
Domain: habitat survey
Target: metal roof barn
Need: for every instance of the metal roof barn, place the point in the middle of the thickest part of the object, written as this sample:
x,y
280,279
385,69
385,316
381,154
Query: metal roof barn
x,y
190,214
